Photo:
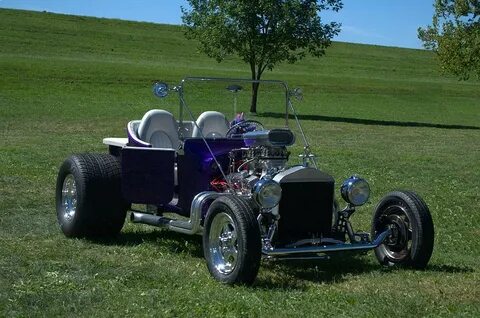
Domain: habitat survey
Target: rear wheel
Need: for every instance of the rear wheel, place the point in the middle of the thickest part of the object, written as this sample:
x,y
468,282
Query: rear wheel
x,y
231,241
88,196
412,235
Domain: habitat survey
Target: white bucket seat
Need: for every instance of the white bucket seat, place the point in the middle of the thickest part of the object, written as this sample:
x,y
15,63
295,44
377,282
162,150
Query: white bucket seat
x,y
211,124
160,129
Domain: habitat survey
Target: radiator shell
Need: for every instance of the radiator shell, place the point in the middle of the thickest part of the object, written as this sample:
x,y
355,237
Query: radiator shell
x,y
306,205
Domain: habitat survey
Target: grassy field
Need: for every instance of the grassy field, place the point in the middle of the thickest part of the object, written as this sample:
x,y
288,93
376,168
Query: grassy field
x,y
385,113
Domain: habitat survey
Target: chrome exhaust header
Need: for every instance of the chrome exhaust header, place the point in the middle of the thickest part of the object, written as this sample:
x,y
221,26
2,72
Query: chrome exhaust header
x,y
191,226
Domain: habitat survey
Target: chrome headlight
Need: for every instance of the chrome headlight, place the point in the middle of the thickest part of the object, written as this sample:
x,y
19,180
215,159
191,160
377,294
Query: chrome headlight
x,y
355,190
267,193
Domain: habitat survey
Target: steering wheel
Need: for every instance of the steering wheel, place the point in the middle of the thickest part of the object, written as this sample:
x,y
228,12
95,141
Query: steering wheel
x,y
244,126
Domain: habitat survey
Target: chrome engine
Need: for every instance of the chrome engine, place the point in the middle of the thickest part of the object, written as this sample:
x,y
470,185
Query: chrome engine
x,y
265,155
248,165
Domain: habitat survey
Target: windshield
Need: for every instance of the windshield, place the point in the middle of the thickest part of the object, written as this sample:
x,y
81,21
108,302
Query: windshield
x,y
233,98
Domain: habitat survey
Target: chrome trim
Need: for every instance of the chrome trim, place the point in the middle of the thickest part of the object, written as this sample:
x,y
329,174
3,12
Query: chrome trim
x,y
222,243
261,185
191,226
307,155
160,89
314,241
279,176
243,80
238,80
150,219
69,197
298,258
396,256
327,248
346,190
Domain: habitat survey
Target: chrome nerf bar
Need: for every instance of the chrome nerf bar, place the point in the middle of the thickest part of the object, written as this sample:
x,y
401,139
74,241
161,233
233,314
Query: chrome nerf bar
x,y
327,248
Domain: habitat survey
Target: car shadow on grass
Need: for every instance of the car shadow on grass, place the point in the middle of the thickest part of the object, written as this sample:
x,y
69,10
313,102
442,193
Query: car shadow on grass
x,y
445,268
273,274
163,239
276,275
368,121
340,268
297,274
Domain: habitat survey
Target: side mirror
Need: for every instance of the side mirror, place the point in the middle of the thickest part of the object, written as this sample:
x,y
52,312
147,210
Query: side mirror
x,y
160,89
297,93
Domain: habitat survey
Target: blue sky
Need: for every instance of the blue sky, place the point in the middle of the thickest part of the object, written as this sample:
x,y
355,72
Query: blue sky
x,y
381,22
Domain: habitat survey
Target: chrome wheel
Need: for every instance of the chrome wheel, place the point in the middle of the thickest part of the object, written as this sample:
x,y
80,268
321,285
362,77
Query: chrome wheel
x,y
69,197
223,243
398,244
232,242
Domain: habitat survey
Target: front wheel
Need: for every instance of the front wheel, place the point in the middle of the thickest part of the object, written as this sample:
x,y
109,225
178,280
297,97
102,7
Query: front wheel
x,y
231,241
412,236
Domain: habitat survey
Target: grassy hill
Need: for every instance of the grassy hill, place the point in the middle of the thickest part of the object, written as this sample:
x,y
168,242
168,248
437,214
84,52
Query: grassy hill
x,y
384,113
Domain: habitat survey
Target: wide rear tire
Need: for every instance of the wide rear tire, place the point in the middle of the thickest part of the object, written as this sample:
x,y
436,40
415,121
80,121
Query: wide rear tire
x,y
89,202
412,239
232,241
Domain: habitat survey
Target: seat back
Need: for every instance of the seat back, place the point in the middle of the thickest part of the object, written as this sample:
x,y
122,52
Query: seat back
x,y
160,129
133,139
211,124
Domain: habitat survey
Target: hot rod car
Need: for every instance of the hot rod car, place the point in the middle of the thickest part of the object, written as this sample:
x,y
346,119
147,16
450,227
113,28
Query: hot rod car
x,y
230,181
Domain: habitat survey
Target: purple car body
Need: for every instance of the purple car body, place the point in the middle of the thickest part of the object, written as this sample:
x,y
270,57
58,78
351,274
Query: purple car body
x,y
231,182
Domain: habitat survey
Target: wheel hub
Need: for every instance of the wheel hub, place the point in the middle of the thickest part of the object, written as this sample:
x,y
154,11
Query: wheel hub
x,y
398,228
223,243
69,197
397,245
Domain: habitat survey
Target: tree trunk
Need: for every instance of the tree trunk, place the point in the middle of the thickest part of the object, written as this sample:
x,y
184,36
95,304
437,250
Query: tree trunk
x,y
253,105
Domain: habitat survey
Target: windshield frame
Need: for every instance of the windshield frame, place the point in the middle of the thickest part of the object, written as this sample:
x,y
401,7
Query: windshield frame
x,y
184,105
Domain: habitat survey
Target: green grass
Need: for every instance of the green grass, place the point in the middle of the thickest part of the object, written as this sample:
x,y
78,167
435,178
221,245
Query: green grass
x,y
385,113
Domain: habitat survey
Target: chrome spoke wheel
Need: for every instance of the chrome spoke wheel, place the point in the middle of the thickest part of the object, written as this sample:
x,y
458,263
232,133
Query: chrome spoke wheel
x,y
223,243
397,245
69,197
411,238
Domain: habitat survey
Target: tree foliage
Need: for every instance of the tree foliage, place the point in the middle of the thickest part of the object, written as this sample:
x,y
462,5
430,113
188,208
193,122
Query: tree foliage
x,y
455,36
263,33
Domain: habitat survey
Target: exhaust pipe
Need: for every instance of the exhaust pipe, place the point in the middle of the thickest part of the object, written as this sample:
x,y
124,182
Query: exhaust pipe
x,y
191,226
150,219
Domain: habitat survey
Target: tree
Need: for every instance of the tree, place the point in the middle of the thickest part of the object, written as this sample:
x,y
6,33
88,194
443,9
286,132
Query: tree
x,y
263,33
455,36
